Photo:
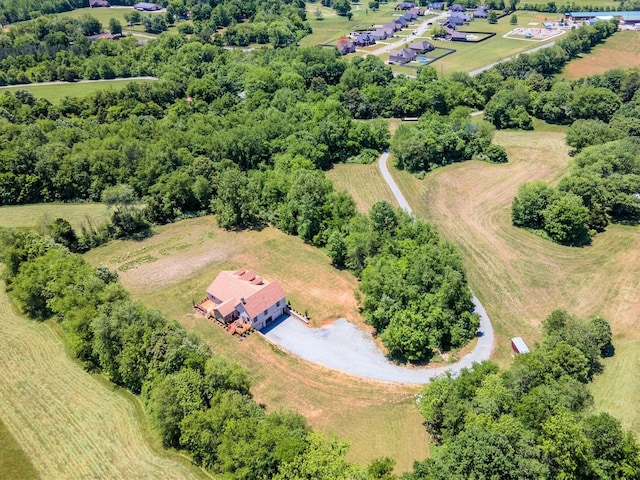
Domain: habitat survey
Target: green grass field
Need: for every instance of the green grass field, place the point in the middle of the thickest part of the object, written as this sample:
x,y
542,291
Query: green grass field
x,y
56,92
350,176
39,215
520,277
621,50
103,15
68,423
14,462
171,270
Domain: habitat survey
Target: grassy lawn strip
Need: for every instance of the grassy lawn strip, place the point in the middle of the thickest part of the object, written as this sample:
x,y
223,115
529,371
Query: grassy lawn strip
x,y
177,265
621,50
519,277
55,93
69,423
14,462
41,214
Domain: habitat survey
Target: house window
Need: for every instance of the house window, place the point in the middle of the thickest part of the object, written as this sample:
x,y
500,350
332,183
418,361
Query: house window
x,y
278,303
265,312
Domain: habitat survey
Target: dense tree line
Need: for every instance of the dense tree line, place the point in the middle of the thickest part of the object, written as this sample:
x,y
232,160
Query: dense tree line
x,y
532,420
603,187
194,400
416,293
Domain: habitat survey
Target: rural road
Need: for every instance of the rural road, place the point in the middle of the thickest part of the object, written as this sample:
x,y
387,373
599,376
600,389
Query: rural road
x,y
343,346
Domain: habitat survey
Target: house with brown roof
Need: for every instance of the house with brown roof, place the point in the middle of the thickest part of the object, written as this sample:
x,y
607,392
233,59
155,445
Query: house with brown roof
x,y
400,57
422,47
241,298
99,4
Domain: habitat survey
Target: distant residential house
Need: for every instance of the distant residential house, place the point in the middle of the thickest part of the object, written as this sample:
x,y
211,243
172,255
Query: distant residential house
x,y
380,34
403,23
99,3
454,35
419,12
147,7
436,6
409,17
405,6
422,47
389,30
481,12
400,57
392,26
345,47
242,296
456,7
364,40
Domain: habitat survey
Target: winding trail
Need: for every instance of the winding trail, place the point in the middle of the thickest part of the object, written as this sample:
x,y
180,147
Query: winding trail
x,y
342,346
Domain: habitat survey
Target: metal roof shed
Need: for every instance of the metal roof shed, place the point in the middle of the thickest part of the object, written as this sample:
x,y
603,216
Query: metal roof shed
x,y
519,346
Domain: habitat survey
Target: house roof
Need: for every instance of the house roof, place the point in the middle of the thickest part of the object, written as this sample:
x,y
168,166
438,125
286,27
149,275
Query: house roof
x,y
244,287
421,46
626,15
147,6
456,7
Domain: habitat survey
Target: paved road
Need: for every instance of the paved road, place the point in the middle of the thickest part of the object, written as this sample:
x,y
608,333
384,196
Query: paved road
x,y
79,81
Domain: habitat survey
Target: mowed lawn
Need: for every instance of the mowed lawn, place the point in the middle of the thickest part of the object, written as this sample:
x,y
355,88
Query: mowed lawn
x,y
103,15
56,92
470,56
622,50
42,214
520,277
363,182
172,270
68,423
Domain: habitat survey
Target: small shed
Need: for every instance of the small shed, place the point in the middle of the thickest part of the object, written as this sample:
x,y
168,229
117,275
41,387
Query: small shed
x,y
519,346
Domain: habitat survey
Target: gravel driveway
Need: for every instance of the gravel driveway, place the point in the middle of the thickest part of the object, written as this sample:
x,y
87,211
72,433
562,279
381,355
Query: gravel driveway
x,y
342,346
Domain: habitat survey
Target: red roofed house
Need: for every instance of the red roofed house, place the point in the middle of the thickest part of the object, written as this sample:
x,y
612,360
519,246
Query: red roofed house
x,y
243,297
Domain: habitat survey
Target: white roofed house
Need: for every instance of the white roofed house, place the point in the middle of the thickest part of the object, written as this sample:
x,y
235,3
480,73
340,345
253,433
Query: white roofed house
x,y
241,299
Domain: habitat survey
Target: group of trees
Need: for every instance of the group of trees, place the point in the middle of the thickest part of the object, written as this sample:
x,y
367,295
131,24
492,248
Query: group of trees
x,y
439,140
416,293
532,420
603,187
196,401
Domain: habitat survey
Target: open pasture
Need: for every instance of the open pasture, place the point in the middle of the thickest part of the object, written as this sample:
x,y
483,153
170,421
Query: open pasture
x,y
363,182
69,423
171,270
55,92
39,215
621,50
520,277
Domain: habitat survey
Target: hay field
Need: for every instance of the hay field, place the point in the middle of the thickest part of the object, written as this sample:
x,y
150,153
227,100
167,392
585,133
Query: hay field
x,y
621,50
69,423
41,214
520,277
353,178
14,462
172,269
56,92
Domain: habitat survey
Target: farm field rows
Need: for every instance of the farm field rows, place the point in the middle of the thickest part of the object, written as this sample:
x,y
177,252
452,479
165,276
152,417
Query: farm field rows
x,y
622,50
520,277
56,92
69,423
171,270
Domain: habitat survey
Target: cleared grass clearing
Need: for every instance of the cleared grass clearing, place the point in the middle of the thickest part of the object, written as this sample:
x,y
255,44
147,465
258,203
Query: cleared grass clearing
x,y
180,261
621,50
14,463
103,15
41,214
363,182
69,423
520,277
56,92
